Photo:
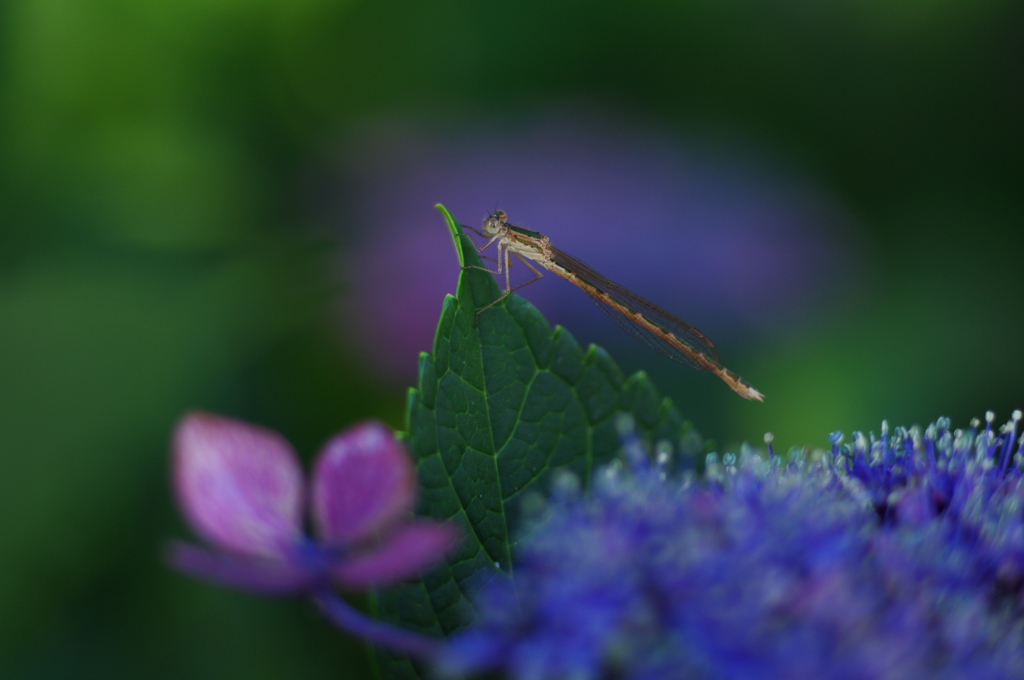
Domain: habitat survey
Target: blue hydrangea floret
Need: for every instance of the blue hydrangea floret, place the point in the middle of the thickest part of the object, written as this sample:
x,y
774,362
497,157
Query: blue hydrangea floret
x,y
892,556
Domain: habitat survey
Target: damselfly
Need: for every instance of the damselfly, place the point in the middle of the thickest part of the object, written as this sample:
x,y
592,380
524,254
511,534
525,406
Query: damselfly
x,y
645,321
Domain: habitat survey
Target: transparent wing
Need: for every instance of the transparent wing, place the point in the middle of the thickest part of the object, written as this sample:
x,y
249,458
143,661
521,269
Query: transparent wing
x,y
691,340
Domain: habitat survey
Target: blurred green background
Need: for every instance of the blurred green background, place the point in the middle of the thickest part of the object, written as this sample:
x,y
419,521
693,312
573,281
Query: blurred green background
x,y
162,249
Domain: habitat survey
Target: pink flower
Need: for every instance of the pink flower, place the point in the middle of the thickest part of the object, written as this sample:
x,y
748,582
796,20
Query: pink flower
x,y
243,491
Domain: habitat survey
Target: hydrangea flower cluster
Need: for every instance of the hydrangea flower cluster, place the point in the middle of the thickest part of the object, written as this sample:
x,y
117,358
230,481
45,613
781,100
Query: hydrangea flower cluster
x,y
242,489
899,556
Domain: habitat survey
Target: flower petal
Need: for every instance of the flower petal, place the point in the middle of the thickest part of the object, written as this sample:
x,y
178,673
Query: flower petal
x,y
411,550
471,652
363,482
239,486
260,574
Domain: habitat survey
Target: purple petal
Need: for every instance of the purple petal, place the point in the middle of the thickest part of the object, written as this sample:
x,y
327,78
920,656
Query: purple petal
x,y
238,485
260,574
363,482
355,623
913,508
410,551
471,652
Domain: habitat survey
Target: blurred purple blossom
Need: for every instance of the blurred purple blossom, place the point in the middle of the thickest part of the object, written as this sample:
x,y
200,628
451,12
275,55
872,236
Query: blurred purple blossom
x,y
891,558
726,242
242,489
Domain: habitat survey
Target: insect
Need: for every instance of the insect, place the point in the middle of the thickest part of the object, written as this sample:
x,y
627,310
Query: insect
x,y
645,321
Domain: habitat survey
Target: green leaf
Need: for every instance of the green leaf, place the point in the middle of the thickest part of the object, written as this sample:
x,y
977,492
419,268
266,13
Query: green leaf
x,y
503,403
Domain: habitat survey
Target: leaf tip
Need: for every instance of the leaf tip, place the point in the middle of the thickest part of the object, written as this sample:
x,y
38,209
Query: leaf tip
x,y
456,231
